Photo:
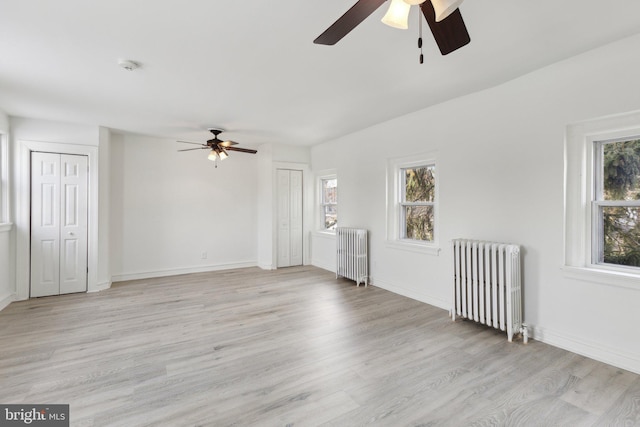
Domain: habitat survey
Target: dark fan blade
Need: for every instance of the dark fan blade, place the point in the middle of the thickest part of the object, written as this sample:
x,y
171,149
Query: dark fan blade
x,y
227,143
187,142
242,150
190,149
347,22
450,33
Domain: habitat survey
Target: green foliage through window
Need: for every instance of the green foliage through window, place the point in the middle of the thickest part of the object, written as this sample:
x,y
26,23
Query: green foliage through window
x,y
417,202
618,205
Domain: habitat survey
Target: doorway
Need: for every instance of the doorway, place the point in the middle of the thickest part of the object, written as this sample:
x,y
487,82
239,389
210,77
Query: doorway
x,y
289,215
59,224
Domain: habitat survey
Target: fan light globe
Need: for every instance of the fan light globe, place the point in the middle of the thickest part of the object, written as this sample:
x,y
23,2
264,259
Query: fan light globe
x,y
414,2
445,8
398,15
223,154
212,155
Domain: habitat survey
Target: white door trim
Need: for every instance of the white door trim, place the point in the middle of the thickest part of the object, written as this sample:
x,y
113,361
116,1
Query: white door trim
x,y
23,210
307,209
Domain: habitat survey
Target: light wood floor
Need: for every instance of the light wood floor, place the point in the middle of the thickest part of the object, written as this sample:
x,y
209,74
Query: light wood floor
x,y
293,347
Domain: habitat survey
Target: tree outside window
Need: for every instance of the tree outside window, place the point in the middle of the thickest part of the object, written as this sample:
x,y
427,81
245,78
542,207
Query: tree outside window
x,y
417,203
329,203
616,205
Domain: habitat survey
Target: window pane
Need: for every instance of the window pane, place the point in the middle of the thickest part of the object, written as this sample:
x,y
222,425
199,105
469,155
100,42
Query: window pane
x,y
420,184
621,235
330,217
330,190
419,222
621,170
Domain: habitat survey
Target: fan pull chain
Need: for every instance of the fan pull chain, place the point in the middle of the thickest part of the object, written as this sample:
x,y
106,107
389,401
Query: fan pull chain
x,y
420,38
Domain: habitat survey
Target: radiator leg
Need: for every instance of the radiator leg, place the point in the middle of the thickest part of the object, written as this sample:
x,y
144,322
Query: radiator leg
x,y
525,333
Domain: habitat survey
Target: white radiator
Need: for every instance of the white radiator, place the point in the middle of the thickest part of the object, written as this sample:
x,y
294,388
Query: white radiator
x,y
351,250
487,285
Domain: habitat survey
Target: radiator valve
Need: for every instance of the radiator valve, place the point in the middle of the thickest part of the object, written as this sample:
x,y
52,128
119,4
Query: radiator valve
x,y
524,330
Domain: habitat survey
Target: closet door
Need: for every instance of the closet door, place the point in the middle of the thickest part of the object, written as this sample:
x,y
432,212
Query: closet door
x,y
295,215
289,215
45,224
58,224
73,224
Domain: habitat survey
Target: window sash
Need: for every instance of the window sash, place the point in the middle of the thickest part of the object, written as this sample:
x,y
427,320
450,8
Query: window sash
x,y
323,204
403,204
598,205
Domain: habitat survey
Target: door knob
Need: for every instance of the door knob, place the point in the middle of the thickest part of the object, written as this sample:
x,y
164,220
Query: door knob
x,y
70,233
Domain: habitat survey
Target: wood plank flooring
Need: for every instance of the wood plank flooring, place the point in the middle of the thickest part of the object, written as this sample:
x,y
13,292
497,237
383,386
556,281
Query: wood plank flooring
x,y
293,347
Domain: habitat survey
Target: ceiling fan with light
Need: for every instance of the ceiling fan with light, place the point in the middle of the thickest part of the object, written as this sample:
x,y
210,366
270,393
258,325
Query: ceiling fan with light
x,y
218,148
443,17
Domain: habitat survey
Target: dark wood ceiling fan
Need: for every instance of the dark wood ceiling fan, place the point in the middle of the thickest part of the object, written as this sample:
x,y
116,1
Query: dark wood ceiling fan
x,y
450,33
217,146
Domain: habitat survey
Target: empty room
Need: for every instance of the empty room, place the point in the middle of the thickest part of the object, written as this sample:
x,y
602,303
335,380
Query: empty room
x,y
355,212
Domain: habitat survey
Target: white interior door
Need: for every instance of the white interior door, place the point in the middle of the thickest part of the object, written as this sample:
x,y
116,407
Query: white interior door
x,y
289,214
295,215
59,206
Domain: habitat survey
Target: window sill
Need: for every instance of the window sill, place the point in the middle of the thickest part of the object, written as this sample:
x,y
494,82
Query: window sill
x,y
603,277
429,249
5,227
325,234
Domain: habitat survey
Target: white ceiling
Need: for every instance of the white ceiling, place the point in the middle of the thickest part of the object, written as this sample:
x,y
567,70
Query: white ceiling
x,y
250,67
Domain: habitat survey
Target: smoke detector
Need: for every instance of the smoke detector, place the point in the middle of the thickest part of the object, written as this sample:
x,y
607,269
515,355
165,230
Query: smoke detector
x,y
128,65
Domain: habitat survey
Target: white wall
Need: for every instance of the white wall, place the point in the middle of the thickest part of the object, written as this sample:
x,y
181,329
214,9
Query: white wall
x,y
169,207
104,252
500,173
265,217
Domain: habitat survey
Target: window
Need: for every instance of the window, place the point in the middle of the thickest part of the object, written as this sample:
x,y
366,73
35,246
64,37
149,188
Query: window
x,y
616,204
417,198
328,202
602,201
4,178
412,203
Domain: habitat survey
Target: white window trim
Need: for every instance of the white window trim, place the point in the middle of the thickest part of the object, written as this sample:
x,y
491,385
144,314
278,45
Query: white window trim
x,y
394,192
579,193
4,179
323,175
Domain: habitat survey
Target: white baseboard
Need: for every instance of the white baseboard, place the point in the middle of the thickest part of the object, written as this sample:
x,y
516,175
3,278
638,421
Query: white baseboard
x,y
322,265
410,293
6,300
266,266
179,271
590,349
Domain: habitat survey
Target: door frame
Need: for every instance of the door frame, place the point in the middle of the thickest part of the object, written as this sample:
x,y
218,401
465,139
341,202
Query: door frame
x,y
307,209
23,211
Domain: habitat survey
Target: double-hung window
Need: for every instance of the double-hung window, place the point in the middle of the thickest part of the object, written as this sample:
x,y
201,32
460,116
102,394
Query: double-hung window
x,y
328,202
412,203
417,199
602,200
616,202
4,178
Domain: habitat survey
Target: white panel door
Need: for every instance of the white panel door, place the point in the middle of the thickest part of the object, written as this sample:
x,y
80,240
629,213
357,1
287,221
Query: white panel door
x,y
45,224
295,217
284,234
58,224
73,224
289,215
